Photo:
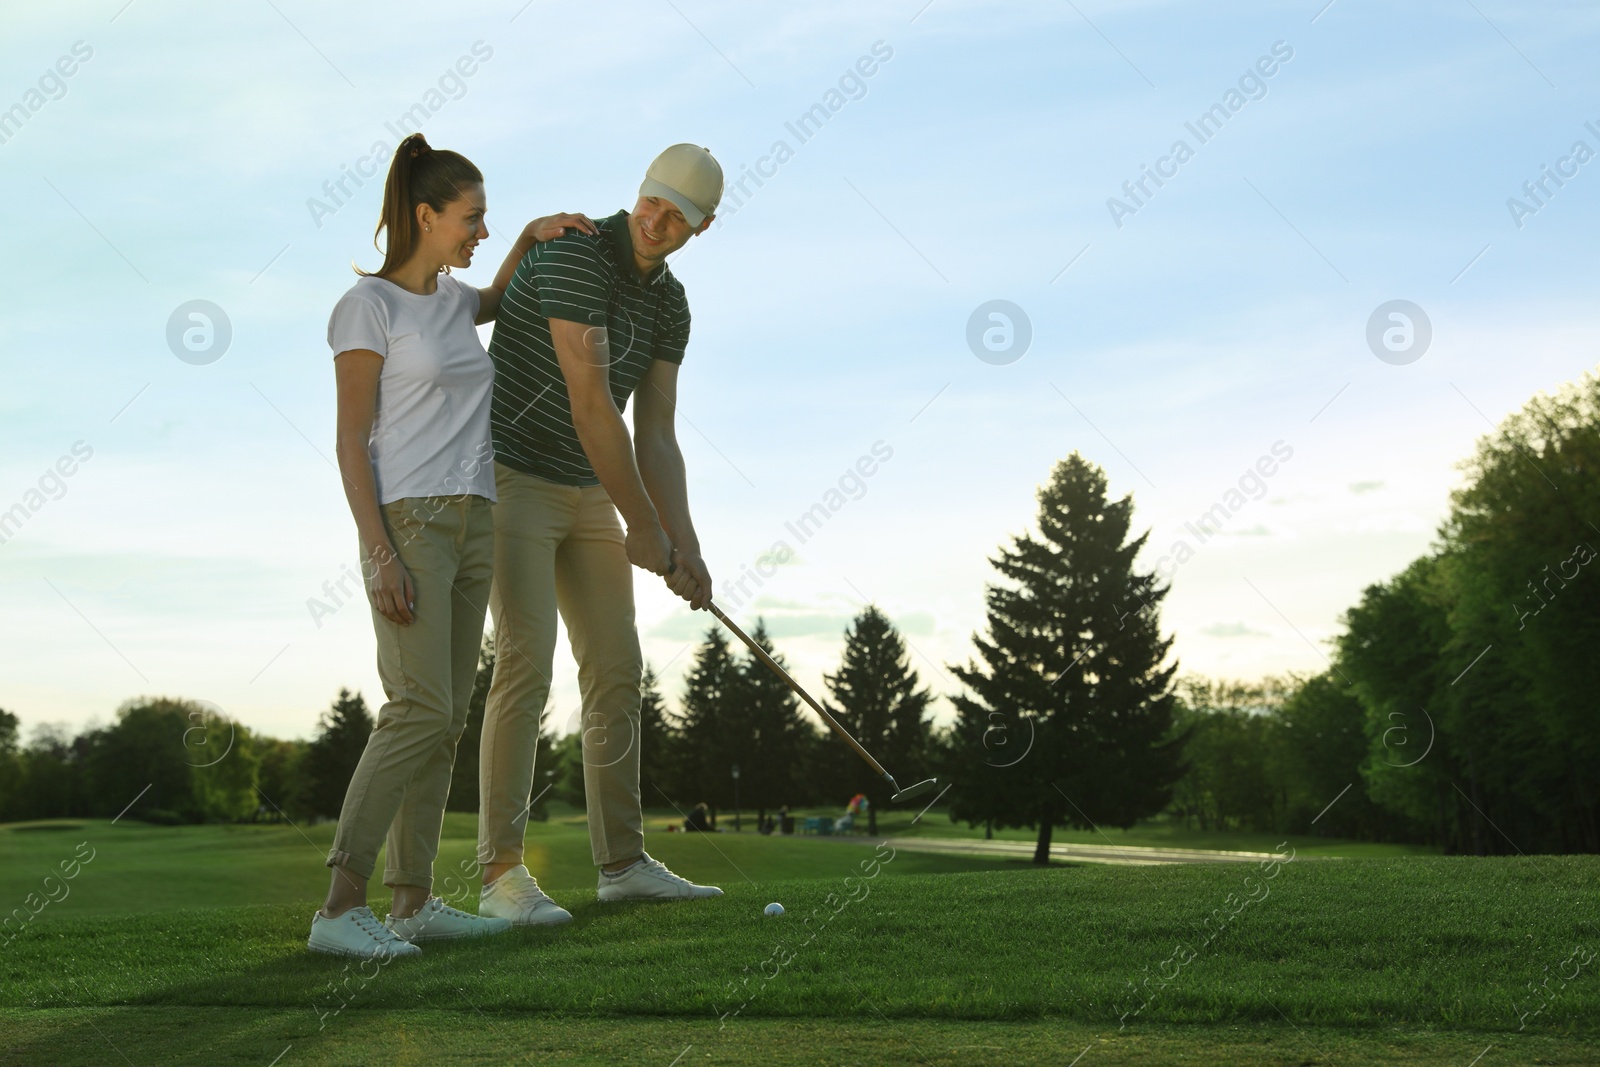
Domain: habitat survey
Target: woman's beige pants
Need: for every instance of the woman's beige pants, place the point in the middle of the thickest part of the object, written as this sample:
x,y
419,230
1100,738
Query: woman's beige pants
x,y
400,786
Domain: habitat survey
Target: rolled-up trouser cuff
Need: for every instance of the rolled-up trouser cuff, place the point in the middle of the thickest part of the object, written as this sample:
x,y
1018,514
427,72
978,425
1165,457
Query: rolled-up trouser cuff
x,y
392,878
487,856
340,858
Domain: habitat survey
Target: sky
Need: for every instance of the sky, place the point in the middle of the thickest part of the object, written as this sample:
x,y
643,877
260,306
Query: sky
x,y
1231,311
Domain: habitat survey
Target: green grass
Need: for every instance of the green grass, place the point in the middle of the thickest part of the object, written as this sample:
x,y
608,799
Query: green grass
x,y
457,1034
266,864
1404,960
142,868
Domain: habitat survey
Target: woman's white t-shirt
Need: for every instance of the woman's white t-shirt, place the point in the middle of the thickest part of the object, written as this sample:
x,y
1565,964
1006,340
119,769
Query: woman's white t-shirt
x,y
430,435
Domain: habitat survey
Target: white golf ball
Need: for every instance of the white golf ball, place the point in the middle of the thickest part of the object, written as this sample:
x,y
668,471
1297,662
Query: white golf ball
x,y
774,908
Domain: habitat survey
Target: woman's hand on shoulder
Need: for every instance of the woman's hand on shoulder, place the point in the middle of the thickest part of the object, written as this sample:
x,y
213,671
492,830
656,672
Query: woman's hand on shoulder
x,y
547,228
550,227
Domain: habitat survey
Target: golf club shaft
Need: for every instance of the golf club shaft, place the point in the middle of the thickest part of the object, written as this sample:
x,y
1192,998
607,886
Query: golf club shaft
x,y
761,654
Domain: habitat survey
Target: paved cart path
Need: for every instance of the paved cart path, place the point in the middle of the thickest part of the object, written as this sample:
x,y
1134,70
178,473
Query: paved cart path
x,y
1133,855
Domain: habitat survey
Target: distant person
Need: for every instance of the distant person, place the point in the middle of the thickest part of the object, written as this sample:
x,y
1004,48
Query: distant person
x,y
414,451
785,820
589,321
698,819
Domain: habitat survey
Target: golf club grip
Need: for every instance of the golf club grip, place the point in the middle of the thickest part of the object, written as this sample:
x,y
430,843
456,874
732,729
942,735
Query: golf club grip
x,y
761,654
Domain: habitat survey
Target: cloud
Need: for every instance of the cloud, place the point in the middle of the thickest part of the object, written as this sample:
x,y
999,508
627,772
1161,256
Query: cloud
x,y
682,626
767,602
1231,629
916,622
1258,530
787,558
813,624
1365,487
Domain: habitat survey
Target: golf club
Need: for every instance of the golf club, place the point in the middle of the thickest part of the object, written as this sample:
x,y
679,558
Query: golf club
x,y
907,793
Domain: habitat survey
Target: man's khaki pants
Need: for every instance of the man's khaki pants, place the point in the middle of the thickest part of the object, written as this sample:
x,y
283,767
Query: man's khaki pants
x,y
560,547
403,779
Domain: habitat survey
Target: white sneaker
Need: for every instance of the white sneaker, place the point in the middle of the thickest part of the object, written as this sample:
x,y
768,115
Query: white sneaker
x,y
516,897
438,921
649,879
356,933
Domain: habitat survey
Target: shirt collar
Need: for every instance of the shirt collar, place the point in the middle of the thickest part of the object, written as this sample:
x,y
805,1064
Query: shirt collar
x,y
622,241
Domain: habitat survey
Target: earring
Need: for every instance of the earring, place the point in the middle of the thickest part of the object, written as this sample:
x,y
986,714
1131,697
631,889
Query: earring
x,y
428,228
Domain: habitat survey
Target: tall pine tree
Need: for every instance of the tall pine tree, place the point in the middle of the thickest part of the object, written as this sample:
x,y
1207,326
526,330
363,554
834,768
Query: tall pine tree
x,y
331,759
657,740
705,750
1072,668
877,698
769,735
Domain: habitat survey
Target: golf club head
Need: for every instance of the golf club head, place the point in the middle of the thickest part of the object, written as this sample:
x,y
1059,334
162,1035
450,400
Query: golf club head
x,y
911,792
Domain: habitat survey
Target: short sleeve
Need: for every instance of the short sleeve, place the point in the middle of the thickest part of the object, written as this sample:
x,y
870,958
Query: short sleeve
x,y
571,278
469,295
358,321
672,339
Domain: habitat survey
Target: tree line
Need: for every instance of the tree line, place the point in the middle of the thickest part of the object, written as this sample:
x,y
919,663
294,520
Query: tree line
x,y
1458,706
169,760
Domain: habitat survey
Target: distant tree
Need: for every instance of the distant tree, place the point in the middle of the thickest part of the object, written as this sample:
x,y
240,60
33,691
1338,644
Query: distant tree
x,y
707,751
140,764
464,794
54,780
1072,665
544,775
279,769
977,755
658,740
224,767
564,760
1393,652
1521,560
11,764
765,734
331,759
877,697
1229,728
1282,755
1478,658
1321,749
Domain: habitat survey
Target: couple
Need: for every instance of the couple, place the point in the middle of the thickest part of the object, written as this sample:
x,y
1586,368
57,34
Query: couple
x,y
432,429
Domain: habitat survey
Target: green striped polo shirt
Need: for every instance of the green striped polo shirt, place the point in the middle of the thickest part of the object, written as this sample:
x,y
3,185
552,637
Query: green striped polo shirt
x,y
581,278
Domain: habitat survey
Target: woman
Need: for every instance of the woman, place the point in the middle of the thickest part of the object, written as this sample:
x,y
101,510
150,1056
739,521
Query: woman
x,y
418,469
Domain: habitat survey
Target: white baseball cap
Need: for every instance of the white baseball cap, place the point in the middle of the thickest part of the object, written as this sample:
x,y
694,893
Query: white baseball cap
x,y
690,177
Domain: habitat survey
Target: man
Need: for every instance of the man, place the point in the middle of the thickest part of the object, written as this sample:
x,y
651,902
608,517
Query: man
x,y
588,320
